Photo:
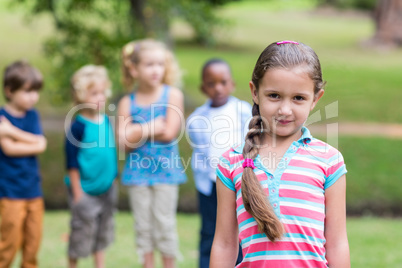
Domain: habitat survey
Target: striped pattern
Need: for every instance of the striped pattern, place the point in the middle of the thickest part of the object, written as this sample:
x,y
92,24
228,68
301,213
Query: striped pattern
x,y
296,192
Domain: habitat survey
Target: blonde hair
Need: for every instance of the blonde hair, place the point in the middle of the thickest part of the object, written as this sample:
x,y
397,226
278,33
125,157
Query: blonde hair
x,y
282,56
131,55
85,77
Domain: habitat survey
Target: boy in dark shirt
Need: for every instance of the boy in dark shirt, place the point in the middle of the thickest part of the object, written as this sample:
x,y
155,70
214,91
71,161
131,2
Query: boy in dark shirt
x,y
21,140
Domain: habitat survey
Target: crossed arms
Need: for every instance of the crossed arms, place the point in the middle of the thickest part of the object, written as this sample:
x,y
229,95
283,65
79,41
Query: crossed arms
x,y
18,143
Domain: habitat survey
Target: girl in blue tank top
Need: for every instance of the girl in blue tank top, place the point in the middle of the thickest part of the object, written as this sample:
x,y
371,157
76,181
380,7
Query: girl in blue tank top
x,y
150,120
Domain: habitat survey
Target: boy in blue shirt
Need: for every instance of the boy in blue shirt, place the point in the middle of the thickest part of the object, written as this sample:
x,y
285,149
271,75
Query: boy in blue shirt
x,y
21,140
215,126
92,168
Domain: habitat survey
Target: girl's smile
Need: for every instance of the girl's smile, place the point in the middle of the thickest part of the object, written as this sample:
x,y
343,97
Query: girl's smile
x,y
283,122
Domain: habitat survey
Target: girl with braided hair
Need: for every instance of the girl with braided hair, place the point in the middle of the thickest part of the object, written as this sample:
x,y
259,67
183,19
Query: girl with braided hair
x,y
282,192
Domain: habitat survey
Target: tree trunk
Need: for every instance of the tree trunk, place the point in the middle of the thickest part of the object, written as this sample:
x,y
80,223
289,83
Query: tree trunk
x,y
330,2
137,12
154,21
388,19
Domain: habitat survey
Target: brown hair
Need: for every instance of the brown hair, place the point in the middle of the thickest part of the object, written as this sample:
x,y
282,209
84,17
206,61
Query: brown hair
x,y
288,56
20,73
85,77
131,55
284,56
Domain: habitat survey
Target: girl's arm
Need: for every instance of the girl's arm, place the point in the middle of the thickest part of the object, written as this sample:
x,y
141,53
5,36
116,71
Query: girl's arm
x,y
337,246
13,148
75,183
225,246
174,117
130,134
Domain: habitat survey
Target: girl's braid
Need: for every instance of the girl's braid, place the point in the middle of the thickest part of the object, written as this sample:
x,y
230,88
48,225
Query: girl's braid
x,y
254,198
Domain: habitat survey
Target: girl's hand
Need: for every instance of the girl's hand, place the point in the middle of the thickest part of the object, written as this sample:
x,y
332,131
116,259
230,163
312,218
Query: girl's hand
x,y
158,126
6,128
174,120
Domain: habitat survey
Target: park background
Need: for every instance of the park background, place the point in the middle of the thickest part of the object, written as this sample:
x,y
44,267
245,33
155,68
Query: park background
x,y
364,81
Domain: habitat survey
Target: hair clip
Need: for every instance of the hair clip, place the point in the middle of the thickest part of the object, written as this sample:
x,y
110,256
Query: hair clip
x,y
137,47
129,49
248,162
287,42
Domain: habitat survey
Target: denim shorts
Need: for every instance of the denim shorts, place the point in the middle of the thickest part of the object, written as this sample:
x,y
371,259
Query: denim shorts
x,y
92,223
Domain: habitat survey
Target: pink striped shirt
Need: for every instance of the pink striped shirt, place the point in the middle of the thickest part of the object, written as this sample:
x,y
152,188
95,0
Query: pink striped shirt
x,y
296,192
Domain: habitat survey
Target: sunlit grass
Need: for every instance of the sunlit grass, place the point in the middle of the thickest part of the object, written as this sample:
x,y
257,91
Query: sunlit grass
x,y
373,242
121,253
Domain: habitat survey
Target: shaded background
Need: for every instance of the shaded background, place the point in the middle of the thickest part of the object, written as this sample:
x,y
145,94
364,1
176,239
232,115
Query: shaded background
x,y
362,65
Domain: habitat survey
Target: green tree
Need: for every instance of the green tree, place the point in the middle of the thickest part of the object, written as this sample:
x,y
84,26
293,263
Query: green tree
x,y
93,31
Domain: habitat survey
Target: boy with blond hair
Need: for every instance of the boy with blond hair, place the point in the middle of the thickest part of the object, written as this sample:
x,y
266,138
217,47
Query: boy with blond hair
x,y
91,167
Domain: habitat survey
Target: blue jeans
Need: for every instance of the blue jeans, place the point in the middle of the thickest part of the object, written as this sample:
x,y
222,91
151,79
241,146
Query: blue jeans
x,y
208,207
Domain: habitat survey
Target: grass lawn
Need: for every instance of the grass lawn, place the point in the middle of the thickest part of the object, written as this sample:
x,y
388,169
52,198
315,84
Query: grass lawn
x,y
372,242
121,253
374,175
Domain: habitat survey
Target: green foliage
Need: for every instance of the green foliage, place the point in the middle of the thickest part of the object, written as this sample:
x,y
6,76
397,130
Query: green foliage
x,y
358,4
216,2
93,32
88,32
202,25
